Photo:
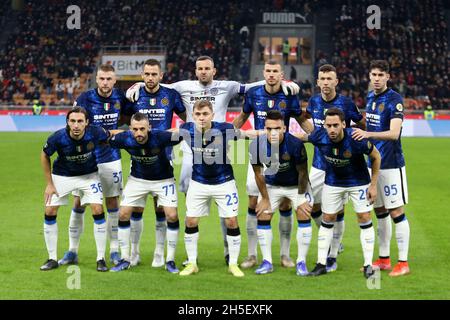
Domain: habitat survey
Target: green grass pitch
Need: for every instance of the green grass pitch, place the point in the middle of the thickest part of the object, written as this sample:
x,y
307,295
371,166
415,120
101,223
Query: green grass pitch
x,y
22,247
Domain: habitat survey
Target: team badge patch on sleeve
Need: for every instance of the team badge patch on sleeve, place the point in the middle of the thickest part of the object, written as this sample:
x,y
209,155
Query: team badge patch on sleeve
x,y
399,107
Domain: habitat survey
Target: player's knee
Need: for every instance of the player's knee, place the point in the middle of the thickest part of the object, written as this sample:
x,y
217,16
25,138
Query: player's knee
x,y
191,223
51,211
397,212
125,213
171,215
252,202
316,207
231,223
112,203
380,210
96,209
364,217
329,217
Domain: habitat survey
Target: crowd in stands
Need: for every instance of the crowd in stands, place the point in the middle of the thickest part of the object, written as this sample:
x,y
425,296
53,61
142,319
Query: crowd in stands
x,y
59,61
413,38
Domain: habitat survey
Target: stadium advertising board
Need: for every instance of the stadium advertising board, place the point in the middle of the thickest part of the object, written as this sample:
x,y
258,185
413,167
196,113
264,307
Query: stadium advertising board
x,y
131,65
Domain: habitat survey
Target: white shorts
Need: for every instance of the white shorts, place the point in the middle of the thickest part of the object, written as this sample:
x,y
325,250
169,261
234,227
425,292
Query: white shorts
x,y
186,171
136,192
199,196
333,199
252,187
110,174
392,188
317,180
88,187
278,193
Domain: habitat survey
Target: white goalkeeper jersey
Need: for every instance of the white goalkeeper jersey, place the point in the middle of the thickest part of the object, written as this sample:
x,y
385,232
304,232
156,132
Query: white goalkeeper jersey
x,y
219,93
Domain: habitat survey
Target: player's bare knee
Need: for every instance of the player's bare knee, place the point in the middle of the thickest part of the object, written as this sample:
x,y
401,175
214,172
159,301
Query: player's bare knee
x,y
316,207
51,211
364,217
396,212
329,217
96,209
171,214
112,203
252,202
191,222
380,210
125,213
231,223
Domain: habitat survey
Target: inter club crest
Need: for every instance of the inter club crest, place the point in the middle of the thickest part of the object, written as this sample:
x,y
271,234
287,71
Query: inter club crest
x,y
152,102
381,107
282,104
270,103
165,101
347,154
90,146
286,157
117,105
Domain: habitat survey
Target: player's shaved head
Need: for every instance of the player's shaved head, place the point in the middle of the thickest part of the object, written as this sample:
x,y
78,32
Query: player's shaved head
x,y
205,58
204,70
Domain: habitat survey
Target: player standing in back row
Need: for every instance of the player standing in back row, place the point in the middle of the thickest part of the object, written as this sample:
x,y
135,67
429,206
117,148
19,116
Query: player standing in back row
x,y
259,101
317,107
384,116
104,106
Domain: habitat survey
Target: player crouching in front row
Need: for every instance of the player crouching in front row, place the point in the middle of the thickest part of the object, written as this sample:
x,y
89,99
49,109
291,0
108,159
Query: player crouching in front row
x,y
285,177
212,178
346,173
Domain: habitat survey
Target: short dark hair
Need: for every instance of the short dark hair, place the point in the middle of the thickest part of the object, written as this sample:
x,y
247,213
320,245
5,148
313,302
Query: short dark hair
x,y
77,109
152,62
272,62
274,115
106,68
199,104
383,65
327,68
335,112
139,116
203,58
